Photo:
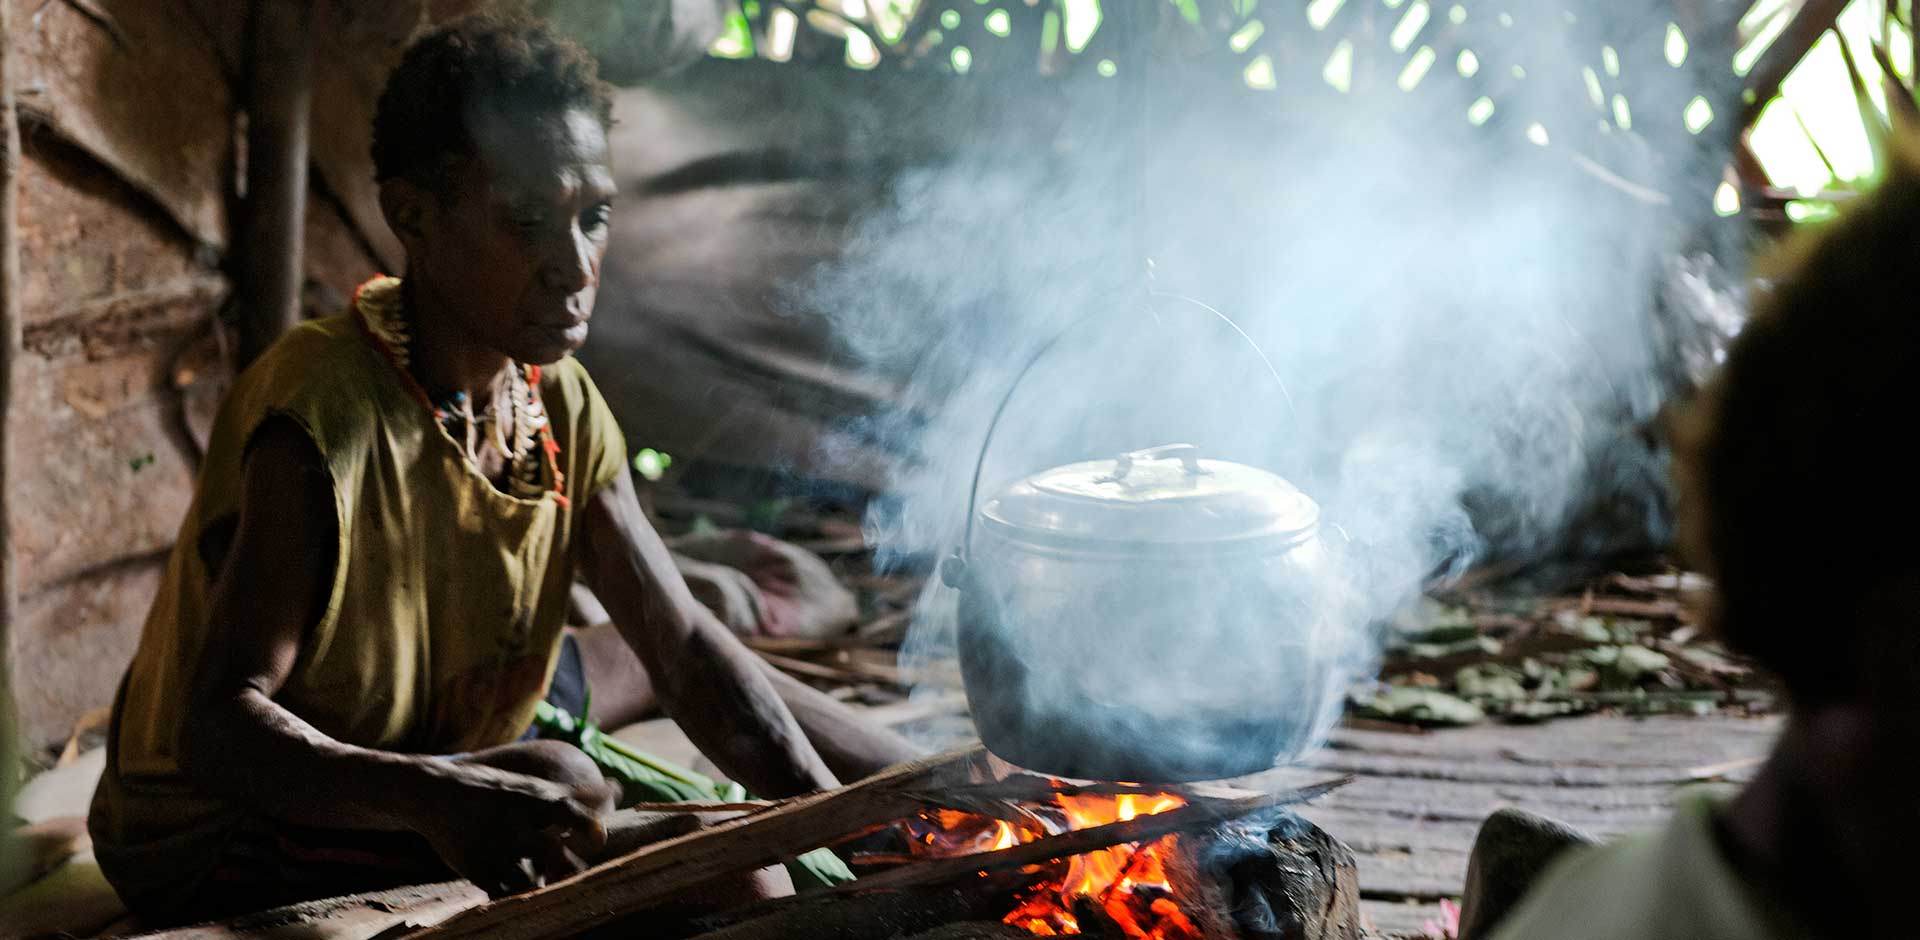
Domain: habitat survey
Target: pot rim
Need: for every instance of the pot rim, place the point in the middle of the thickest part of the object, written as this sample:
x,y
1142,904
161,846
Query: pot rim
x,y
1073,547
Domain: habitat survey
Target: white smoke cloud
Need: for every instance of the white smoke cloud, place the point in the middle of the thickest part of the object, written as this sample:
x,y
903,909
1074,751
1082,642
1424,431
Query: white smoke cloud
x,y
1463,319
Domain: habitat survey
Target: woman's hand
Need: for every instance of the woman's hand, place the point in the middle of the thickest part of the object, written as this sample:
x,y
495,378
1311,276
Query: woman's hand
x,y
508,832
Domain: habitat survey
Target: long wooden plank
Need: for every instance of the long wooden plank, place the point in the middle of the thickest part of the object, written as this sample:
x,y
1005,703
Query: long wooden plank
x,y
363,916
659,872
354,917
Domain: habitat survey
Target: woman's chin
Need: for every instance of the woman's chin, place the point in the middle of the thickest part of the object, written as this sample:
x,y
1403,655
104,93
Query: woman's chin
x,y
550,346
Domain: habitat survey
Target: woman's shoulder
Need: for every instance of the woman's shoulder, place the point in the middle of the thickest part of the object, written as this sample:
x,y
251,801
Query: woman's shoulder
x,y
315,351
583,424
567,379
323,374
1670,884
571,397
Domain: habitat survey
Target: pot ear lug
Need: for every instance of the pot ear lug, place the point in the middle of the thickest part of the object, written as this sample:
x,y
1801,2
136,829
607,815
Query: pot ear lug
x,y
953,572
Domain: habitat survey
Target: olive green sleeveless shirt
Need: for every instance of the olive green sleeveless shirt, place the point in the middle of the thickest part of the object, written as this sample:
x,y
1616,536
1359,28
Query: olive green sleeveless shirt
x,y
448,597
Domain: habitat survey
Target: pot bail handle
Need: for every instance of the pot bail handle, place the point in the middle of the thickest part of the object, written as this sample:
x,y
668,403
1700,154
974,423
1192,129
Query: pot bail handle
x,y
954,568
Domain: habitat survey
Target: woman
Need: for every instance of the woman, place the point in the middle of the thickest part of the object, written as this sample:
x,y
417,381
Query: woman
x,y
365,604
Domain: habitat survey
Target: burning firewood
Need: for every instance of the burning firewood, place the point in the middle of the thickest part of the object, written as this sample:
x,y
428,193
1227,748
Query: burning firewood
x,y
656,874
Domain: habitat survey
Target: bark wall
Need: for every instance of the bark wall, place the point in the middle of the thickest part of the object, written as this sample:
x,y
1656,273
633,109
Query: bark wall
x,y
129,122
130,111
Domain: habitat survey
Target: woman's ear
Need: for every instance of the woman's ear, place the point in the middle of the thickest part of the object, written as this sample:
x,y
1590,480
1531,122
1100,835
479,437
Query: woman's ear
x,y
406,206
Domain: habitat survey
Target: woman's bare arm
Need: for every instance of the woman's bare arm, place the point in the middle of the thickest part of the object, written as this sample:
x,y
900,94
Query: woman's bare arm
x,y
707,680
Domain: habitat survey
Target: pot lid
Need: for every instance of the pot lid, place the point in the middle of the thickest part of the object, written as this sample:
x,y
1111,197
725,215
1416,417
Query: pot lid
x,y
1165,500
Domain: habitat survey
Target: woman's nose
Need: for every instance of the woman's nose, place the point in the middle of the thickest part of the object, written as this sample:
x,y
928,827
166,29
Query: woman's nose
x,y
569,265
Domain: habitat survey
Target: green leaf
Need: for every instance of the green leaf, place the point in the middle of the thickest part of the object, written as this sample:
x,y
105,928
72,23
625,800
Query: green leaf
x,y
1419,706
644,778
1491,686
1478,644
1637,662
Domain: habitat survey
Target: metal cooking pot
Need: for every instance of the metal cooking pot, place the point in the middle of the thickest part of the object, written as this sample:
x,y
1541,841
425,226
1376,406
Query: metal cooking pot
x,y
1154,617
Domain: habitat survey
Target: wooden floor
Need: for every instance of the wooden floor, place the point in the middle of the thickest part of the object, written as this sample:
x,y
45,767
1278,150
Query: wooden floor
x,y
1412,815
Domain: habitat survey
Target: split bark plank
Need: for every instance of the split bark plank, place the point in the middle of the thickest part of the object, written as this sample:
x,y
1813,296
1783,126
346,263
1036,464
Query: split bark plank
x,y
1200,813
354,917
9,349
118,96
657,873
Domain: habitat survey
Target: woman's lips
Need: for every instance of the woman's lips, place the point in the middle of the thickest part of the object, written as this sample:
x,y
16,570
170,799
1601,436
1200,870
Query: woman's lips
x,y
571,331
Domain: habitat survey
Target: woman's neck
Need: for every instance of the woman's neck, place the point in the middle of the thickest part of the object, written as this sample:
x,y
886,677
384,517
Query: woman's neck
x,y
1829,826
444,357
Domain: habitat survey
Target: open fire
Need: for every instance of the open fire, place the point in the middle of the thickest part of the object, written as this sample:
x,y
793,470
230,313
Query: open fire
x,y
1126,886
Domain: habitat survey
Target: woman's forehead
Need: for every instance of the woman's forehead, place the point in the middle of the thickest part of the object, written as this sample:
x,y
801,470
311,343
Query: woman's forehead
x,y
535,155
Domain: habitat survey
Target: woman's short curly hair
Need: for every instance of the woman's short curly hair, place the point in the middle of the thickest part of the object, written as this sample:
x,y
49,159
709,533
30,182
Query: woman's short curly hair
x,y
1793,493
509,63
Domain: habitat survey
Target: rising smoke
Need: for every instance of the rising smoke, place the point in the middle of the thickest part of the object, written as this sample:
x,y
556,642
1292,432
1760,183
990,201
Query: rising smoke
x,y
1463,318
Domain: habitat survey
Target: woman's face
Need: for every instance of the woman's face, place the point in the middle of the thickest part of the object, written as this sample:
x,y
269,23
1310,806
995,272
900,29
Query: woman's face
x,y
513,253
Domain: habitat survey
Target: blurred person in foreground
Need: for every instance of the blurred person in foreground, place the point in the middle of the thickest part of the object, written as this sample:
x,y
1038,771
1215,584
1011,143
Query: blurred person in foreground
x,y
1795,501
334,689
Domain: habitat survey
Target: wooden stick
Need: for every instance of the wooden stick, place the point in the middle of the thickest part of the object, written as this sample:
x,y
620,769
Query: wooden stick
x,y
848,671
1080,841
657,873
807,670
916,709
801,645
887,628
743,806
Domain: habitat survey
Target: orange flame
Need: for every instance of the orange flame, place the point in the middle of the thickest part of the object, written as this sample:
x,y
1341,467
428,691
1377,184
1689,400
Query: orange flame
x,y
1127,885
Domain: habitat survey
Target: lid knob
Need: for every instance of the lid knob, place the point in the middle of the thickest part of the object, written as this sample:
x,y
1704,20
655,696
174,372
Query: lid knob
x,y
1188,455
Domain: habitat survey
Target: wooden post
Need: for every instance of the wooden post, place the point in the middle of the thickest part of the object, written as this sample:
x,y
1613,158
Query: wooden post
x,y
268,242
9,348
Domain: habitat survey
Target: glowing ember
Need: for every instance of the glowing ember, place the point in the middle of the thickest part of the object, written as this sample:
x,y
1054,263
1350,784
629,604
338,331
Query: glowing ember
x,y
1126,885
